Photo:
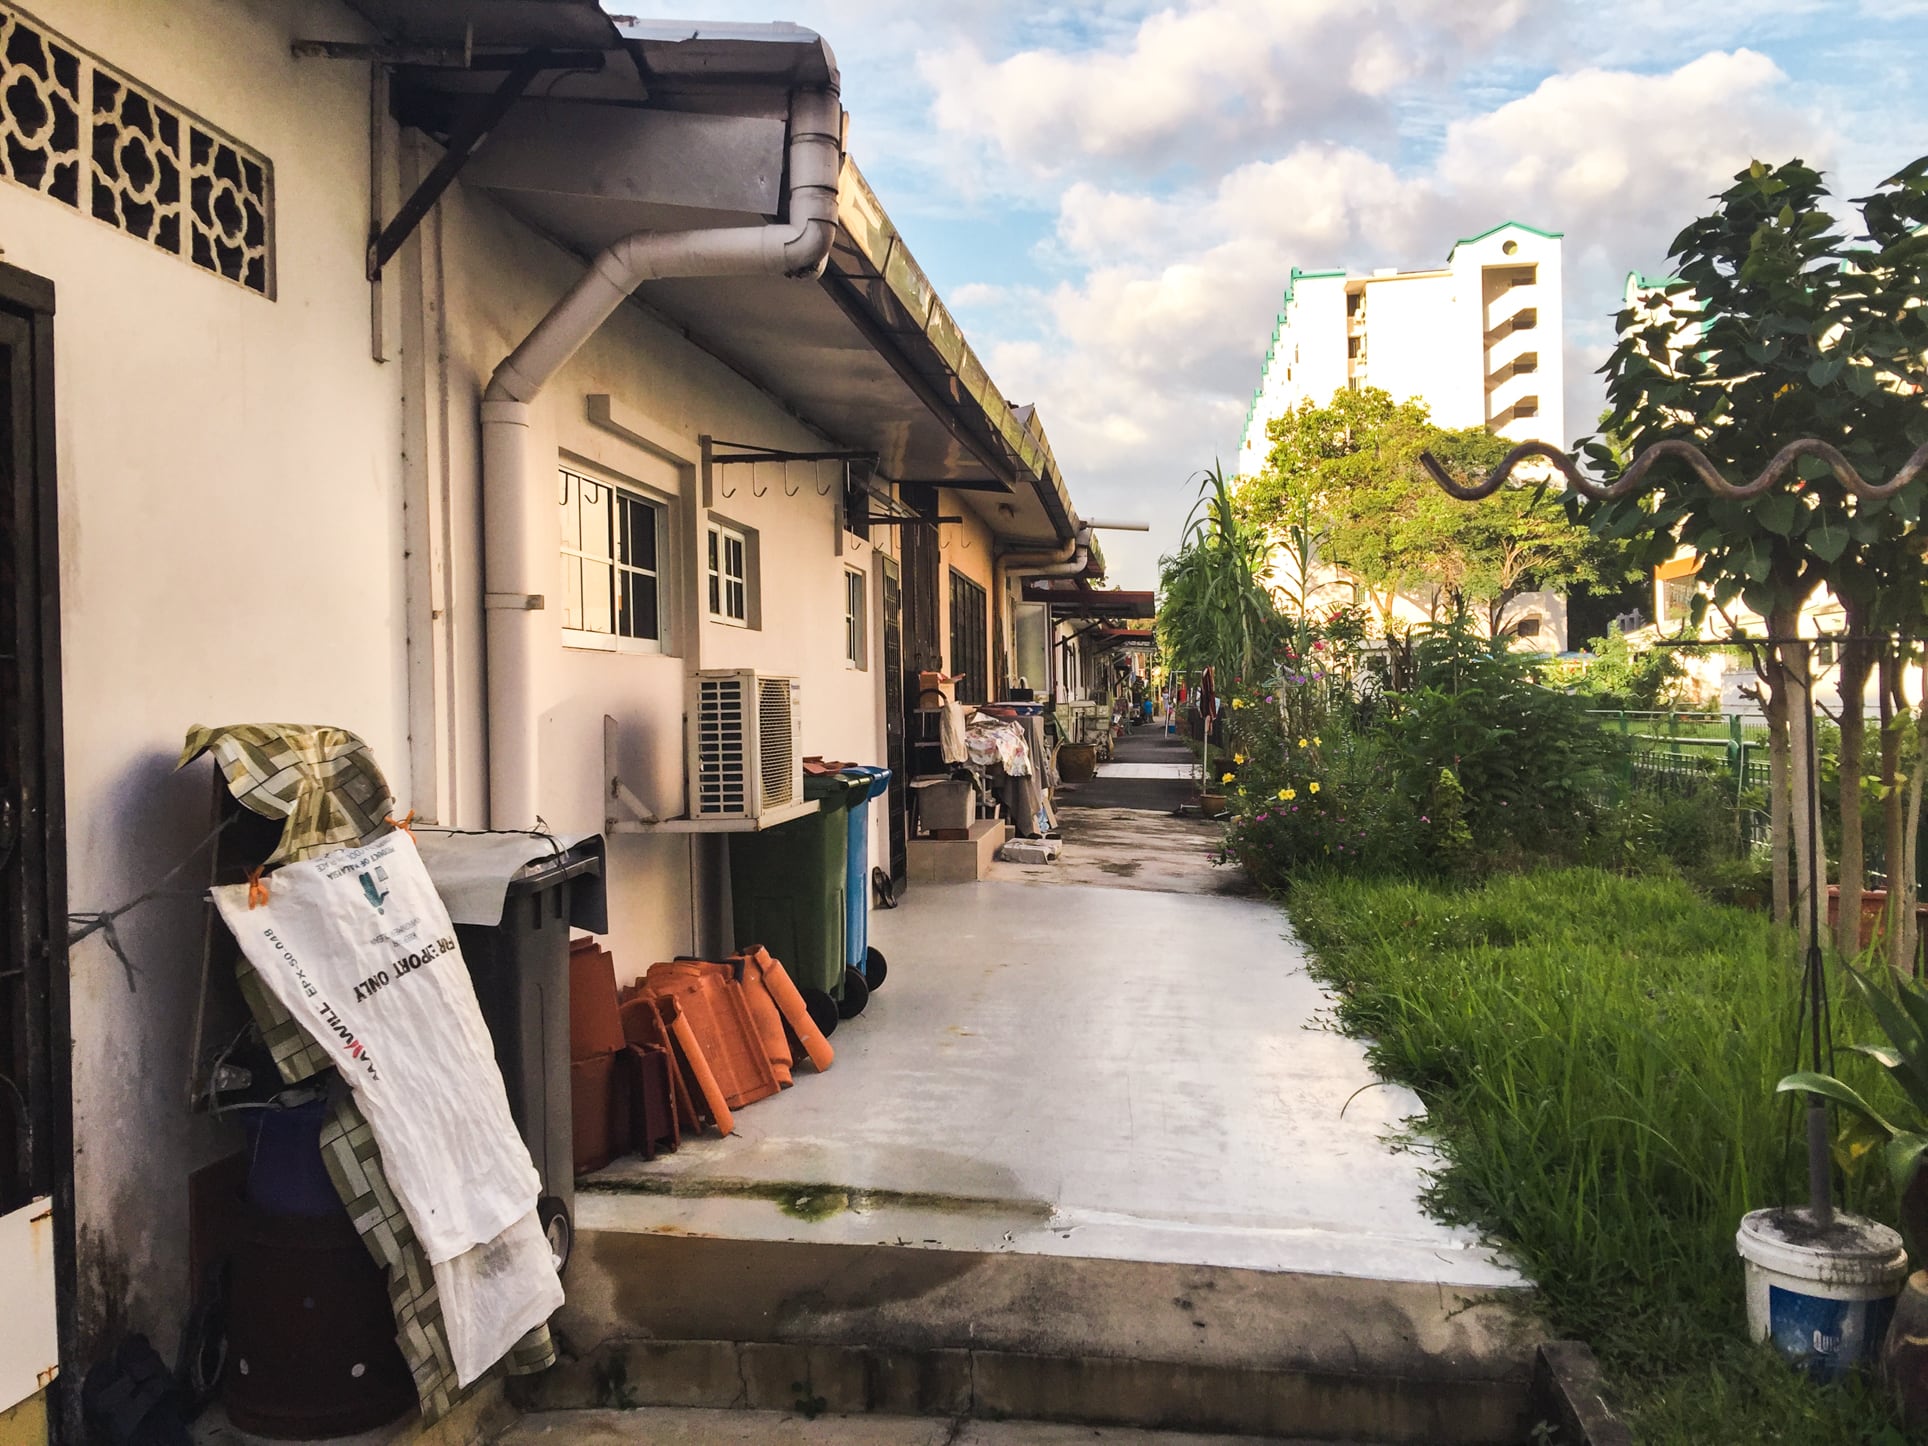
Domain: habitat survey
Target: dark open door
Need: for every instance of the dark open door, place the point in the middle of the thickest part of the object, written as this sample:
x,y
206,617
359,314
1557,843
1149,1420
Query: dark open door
x,y
36,1110
896,755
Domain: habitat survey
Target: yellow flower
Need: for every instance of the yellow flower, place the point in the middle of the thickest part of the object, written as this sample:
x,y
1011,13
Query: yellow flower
x,y
1302,743
1238,702
1288,794
1312,788
1318,742
1241,793
1238,758
1225,778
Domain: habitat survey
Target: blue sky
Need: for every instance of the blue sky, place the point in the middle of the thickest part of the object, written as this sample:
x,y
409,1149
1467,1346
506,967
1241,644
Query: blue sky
x,y
1109,195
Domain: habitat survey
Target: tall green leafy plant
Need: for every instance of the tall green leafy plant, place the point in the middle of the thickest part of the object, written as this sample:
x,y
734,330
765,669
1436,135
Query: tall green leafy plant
x,y
1215,610
1526,760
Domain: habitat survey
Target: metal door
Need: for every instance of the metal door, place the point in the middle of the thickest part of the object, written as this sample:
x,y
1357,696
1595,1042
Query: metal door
x,y
921,568
36,1113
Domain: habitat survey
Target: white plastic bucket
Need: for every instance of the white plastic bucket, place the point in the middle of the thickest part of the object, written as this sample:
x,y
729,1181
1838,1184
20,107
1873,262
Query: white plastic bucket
x,y
1824,1300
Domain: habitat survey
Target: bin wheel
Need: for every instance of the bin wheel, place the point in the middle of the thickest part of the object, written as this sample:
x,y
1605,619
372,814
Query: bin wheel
x,y
885,889
553,1216
823,1010
875,969
856,994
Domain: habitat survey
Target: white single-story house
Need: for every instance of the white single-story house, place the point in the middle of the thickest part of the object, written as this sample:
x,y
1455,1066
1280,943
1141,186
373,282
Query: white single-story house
x,y
469,376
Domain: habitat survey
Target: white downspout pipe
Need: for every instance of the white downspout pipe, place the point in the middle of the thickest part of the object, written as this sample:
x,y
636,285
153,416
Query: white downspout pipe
x,y
1066,561
514,569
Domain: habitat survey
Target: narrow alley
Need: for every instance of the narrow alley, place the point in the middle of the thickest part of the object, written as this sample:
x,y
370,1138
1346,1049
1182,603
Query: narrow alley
x,y
1191,1215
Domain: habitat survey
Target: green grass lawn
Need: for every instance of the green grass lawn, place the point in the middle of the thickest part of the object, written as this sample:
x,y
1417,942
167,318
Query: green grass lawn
x,y
1598,1057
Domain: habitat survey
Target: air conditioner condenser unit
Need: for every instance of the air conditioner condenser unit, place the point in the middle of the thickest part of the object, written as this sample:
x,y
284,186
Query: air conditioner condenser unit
x,y
744,759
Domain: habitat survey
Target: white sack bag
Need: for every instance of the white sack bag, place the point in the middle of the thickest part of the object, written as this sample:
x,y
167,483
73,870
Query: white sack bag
x,y
358,947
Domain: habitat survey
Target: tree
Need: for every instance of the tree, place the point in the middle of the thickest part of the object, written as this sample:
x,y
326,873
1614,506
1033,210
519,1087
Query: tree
x,y
1790,333
1214,610
1349,472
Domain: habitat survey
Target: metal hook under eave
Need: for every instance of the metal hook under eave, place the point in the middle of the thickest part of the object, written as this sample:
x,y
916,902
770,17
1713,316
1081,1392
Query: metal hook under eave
x,y
824,491
756,491
789,491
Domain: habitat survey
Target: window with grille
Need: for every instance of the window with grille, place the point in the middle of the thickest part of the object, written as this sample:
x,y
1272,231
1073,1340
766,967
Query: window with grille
x,y
729,573
88,135
612,592
853,618
970,639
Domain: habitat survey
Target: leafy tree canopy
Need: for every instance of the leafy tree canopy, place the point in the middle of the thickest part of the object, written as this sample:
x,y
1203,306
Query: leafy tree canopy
x,y
1779,327
1348,473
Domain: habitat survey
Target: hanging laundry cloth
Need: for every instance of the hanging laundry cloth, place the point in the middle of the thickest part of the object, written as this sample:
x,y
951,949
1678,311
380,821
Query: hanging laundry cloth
x,y
951,734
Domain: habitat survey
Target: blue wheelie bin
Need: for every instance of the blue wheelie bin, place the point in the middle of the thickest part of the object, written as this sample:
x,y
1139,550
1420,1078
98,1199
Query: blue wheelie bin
x,y
865,960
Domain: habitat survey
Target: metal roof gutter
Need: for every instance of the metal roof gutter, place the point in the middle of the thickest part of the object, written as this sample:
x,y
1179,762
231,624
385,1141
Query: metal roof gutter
x,y
942,367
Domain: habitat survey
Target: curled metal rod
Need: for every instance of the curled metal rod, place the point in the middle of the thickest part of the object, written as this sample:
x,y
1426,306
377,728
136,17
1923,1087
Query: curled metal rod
x,y
1778,468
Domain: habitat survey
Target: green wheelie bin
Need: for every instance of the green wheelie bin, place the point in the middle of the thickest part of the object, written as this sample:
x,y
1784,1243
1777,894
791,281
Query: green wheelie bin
x,y
787,891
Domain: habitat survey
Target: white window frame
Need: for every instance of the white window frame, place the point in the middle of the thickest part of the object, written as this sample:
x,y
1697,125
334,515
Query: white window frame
x,y
573,477
718,579
856,623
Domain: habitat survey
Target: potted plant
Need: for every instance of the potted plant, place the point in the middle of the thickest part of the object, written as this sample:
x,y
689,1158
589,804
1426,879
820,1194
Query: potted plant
x,y
1903,1018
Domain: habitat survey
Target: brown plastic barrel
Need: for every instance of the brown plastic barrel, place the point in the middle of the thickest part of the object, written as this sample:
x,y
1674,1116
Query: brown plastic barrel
x,y
311,1334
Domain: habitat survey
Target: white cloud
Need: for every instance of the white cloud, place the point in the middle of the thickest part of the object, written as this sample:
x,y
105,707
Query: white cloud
x,y
1145,363
1203,84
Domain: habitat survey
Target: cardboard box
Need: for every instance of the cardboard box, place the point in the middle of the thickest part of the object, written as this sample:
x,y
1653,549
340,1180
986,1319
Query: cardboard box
x,y
947,805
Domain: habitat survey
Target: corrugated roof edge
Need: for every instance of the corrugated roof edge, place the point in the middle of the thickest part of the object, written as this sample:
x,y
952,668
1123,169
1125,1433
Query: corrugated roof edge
x,y
864,220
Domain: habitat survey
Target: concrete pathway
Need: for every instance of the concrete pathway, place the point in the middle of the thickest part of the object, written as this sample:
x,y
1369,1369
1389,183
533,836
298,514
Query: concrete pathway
x,y
1076,1071
1092,1154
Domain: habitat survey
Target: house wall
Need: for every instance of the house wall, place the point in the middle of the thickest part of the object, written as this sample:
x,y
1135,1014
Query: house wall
x,y
664,393
1308,360
230,548
262,521
1408,323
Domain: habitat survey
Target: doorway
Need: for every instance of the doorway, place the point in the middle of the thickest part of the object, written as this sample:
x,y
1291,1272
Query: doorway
x,y
36,1102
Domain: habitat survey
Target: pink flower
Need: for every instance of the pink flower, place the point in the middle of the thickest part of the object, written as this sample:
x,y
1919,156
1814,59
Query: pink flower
x,y
1424,819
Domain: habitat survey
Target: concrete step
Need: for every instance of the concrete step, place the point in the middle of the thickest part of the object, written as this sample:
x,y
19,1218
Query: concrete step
x,y
659,1319
667,1426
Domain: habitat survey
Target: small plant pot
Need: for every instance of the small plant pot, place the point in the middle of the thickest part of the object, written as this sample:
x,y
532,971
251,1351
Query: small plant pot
x,y
1078,762
1211,803
1821,1298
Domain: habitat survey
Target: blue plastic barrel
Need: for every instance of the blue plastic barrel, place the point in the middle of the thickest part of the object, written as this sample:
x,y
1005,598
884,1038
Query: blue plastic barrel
x,y
857,891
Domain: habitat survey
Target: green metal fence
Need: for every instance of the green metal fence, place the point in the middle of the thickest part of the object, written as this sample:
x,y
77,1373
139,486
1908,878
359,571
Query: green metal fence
x,y
1677,752
1668,749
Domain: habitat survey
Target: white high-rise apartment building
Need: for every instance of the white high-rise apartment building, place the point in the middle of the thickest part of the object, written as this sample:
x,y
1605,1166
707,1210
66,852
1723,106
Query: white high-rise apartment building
x,y
1479,340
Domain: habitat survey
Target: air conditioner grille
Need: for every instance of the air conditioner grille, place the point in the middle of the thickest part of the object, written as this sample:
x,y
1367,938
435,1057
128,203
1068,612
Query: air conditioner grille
x,y
776,745
721,781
